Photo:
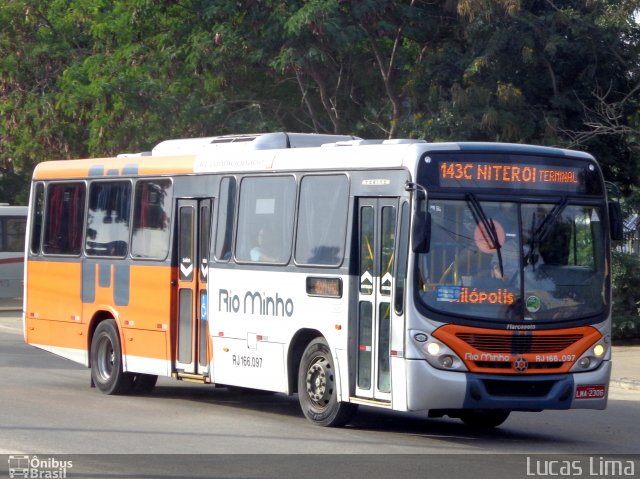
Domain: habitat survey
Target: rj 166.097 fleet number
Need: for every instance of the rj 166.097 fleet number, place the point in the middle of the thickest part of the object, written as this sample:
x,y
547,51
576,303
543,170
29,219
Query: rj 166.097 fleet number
x,y
246,361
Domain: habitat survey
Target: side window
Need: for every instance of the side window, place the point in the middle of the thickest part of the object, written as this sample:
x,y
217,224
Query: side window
x,y
13,234
226,213
387,247
401,264
320,238
367,229
36,218
64,218
265,219
152,211
108,218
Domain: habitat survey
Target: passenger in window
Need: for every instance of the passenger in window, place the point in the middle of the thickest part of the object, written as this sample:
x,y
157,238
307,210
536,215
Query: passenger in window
x,y
259,252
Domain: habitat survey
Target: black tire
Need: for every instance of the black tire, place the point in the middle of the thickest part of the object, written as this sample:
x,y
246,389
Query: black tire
x,y
483,419
144,383
317,388
106,360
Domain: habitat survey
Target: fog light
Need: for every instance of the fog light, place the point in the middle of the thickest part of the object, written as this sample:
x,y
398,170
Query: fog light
x,y
446,361
433,348
584,362
421,337
598,350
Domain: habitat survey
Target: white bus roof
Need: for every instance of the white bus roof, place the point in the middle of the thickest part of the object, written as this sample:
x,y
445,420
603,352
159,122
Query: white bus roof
x,y
258,141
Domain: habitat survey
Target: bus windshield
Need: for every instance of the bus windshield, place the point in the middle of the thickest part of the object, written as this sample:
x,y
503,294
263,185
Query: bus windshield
x,y
503,261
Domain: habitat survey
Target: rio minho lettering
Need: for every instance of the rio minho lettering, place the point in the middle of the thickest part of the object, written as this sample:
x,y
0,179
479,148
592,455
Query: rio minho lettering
x,y
254,303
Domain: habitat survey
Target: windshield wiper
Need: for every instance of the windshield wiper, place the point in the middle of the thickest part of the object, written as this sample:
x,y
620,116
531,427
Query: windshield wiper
x,y
539,234
488,227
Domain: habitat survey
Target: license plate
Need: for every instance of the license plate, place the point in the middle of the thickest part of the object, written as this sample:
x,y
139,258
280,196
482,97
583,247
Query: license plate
x,y
595,391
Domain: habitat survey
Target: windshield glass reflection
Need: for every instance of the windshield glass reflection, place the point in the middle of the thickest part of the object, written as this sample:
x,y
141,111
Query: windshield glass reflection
x,y
504,261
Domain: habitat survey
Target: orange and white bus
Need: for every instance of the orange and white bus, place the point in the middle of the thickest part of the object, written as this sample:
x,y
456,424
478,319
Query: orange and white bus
x,y
13,221
460,279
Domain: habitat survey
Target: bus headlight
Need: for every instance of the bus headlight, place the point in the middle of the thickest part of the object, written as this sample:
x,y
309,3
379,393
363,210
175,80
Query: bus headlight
x,y
433,348
592,357
599,350
438,354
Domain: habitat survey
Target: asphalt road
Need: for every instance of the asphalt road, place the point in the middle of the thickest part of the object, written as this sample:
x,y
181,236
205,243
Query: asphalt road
x,y
47,408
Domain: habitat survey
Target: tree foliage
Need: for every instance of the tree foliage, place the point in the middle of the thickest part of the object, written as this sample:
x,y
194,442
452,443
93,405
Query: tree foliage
x,y
98,78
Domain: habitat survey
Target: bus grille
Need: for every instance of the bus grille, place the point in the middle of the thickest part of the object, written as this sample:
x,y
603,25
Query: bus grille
x,y
518,388
509,365
496,343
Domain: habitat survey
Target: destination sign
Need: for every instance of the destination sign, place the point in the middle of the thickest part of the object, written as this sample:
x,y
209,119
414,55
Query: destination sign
x,y
510,173
506,173
502,175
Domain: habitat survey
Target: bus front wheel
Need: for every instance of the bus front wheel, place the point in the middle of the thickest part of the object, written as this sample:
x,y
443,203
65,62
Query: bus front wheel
x,y
106,360
317,387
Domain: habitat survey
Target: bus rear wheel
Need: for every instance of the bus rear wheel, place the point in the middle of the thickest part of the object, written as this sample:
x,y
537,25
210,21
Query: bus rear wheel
x,y
106,360
317,387
484,418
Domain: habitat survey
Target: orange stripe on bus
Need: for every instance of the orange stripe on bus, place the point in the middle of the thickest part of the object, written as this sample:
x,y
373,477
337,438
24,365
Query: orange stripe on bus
x,y
145,166
495,351
57,317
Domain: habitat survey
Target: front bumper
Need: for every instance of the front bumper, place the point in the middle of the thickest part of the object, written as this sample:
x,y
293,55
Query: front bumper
x,y
430,388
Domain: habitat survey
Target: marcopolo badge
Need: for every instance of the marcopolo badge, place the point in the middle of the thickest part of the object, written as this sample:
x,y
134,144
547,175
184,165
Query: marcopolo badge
x,y
533,304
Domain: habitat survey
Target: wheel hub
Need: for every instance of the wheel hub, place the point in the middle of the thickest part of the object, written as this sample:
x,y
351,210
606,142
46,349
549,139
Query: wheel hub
x,y
106,359
317,379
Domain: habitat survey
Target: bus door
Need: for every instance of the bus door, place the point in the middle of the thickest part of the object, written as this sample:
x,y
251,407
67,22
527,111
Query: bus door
x,y
192,343
376,236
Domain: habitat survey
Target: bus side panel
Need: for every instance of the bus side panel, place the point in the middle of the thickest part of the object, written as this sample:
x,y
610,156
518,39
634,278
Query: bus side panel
x,y
54,290
140,297
151,305
146,352
260,366
253,316
53,315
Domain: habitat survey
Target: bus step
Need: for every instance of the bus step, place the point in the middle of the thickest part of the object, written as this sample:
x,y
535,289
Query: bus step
x,y
370,402
192,378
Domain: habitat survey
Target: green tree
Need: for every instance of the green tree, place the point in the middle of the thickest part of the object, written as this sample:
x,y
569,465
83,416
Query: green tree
x,y
34,51
98,78
536,71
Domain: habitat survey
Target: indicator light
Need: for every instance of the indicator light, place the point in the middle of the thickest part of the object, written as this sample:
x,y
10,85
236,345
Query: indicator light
x,y
585,362
446,361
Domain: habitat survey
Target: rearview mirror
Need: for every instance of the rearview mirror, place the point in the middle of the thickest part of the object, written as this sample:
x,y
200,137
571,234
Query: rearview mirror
x,y
616,224
421,232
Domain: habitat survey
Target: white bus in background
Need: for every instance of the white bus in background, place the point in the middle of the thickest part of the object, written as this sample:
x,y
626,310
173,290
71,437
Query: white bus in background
x,y
13,220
